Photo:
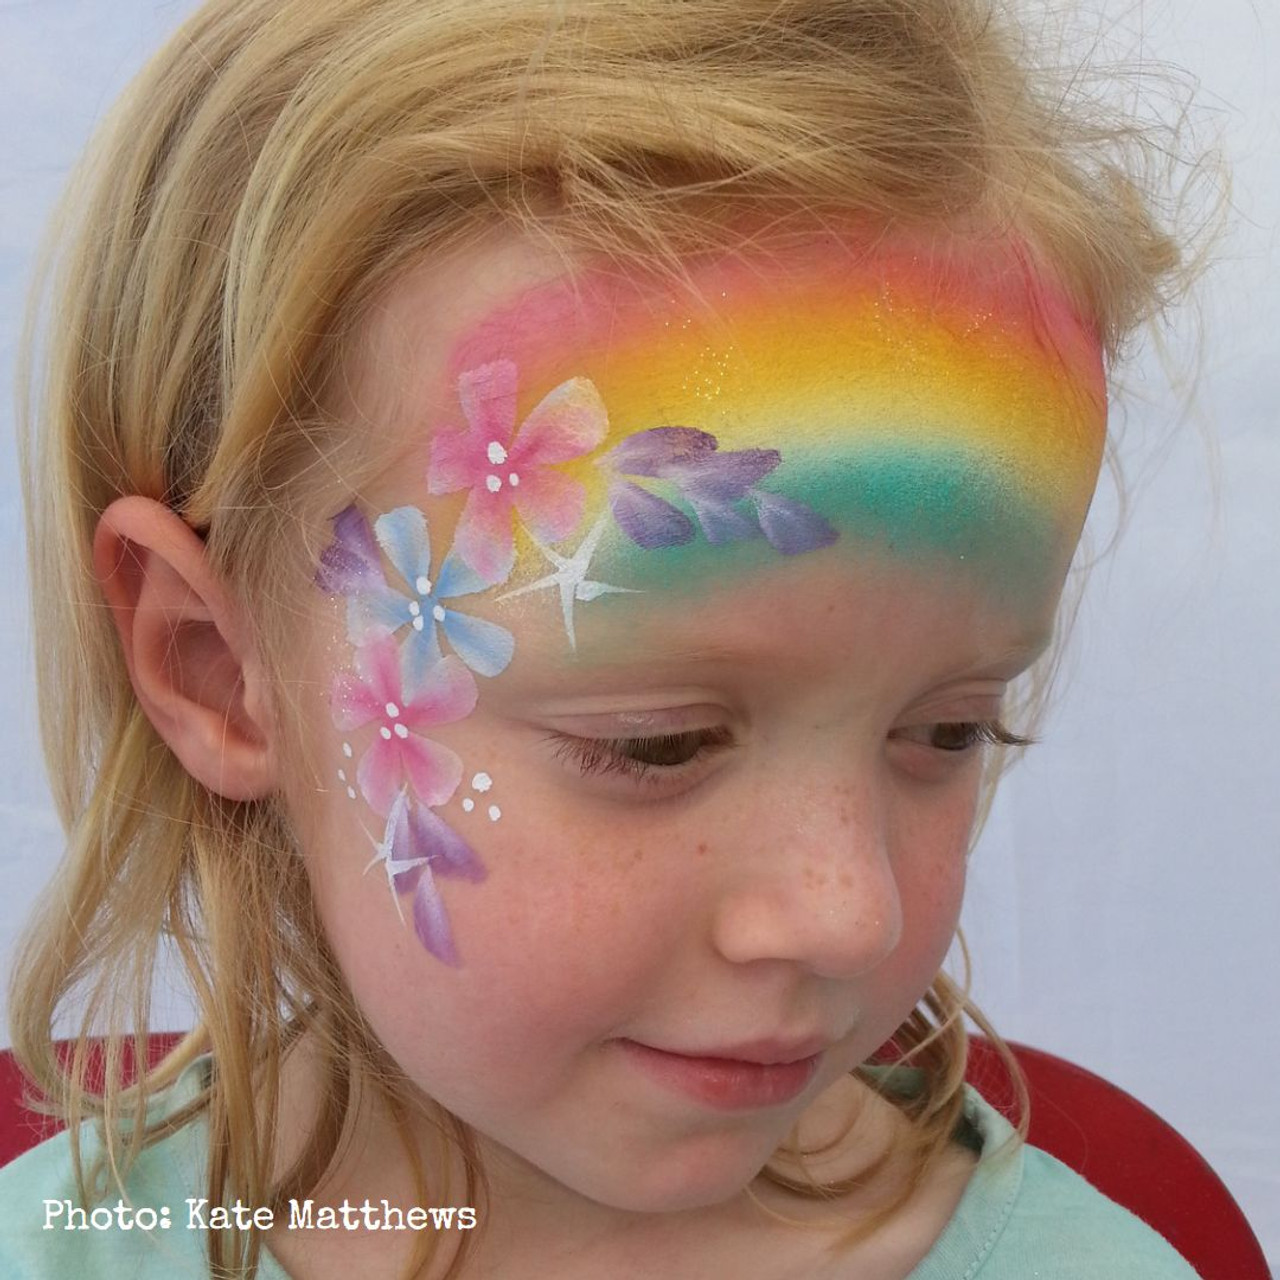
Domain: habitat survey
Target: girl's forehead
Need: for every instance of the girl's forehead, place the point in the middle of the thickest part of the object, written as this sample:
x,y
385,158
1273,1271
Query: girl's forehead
x,y
921,398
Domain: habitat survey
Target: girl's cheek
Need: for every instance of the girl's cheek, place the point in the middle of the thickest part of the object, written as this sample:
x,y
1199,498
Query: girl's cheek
x,y
937,887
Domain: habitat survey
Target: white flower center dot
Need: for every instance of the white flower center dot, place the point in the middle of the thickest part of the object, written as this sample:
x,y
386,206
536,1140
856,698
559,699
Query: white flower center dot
x,y
497,454
423,586
514,480
493,484
414,608
401,731
418,624
438,613
386,733
392,710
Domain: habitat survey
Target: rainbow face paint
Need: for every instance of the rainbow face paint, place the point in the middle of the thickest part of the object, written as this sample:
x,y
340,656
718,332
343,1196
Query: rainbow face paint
x,y
945,407
611,440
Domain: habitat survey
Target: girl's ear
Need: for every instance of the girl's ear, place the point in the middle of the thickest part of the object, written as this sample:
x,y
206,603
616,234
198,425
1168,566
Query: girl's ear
x,y
186,647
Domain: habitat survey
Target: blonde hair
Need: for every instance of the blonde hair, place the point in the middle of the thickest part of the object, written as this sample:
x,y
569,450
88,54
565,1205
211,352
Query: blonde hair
x,y
266,178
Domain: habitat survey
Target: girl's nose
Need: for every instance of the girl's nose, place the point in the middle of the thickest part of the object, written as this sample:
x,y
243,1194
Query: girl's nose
x,y
813,882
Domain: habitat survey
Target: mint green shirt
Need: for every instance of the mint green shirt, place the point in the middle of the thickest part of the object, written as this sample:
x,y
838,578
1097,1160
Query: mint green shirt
x,y
1023,1215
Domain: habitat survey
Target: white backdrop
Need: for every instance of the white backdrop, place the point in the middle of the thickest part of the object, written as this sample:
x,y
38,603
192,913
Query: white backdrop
x,y
1124,903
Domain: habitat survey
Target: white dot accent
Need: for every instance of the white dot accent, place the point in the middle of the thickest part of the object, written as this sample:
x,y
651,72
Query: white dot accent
x,y
481,783
418,624
346,750
386,733
423,586
351,793
415,609
401,731
514,480
497,454
342,775
392,710
438,613
494,813
468,804
493,484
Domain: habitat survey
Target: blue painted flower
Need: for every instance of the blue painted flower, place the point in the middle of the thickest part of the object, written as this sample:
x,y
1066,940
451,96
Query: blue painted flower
x,y
352,566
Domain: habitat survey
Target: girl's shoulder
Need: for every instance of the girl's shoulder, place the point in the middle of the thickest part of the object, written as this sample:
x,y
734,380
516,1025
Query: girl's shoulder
x,y
1025,1213
150,1232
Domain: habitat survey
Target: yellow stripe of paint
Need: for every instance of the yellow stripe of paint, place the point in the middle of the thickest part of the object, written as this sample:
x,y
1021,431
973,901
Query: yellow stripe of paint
x,y
838,373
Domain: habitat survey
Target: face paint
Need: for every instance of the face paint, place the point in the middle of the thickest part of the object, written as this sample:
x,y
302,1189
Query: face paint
x,y
481,785
613,441
944,407
405,686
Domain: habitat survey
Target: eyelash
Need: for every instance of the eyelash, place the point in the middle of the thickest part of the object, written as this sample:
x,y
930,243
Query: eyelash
x,y
610,755
620,755
979,733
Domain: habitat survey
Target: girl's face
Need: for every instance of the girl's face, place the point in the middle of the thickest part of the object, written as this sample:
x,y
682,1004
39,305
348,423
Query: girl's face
x,y
651,682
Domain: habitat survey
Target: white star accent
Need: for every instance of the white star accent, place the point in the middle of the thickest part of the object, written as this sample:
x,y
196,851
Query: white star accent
x,y
571,577
393,866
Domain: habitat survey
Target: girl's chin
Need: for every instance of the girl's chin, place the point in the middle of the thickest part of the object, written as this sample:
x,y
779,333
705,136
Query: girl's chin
x,y
692,1177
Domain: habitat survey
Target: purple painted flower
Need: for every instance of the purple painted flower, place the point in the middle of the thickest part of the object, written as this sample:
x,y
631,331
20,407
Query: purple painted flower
x,y
375,694
507,476
351,566
418,846
720,488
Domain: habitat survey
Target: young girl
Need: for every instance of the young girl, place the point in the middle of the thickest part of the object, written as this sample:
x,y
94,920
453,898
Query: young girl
x,y
537,509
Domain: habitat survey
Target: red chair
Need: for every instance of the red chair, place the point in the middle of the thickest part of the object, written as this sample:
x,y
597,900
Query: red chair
x,y
1106,1135
1129,1153
20,1128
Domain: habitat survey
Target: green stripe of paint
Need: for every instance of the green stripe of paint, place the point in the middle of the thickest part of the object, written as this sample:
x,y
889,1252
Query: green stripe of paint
x,y
928,505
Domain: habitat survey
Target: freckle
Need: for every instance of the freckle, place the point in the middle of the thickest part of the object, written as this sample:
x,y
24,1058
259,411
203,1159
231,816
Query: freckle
x,y
637,855
846,881
702,848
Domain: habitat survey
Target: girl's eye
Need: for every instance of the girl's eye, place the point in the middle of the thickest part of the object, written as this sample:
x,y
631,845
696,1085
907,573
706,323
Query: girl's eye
x,y
666,754
961,735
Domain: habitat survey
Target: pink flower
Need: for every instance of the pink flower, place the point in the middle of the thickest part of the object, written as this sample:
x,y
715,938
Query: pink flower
x,y
504,474
375,694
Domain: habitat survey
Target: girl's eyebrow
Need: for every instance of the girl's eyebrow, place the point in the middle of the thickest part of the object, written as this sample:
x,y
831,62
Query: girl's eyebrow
x,y
603,655
1012,661
1006,663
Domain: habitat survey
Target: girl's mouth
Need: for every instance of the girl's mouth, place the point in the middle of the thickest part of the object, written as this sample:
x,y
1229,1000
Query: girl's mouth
x,y
729,1084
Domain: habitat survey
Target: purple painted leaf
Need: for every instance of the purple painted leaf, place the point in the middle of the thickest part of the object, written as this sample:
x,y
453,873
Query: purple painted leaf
x,y
430,922
646,519
656,451
399,842
722,522
449,854
351,562
724,477
791,527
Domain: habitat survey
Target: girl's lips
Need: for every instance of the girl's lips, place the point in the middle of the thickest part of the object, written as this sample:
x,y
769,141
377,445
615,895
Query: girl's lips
x,y
726,1083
